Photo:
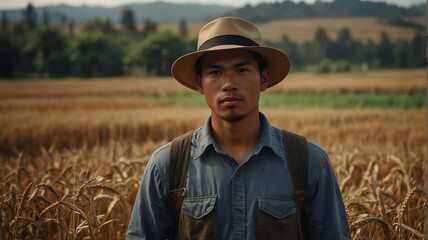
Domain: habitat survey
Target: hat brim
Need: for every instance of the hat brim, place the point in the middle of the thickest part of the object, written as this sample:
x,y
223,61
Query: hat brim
x,y
278,63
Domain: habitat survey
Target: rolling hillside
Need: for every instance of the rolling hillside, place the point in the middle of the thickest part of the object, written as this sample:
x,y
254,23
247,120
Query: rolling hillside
x,y
301,30
161,11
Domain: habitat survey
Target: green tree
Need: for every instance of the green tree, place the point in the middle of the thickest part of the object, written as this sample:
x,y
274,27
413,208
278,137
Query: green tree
x,y
50,59
9,53
4,22
289,47
23,40
63,19
99,25
367,53
401,52
95,55
417,46
149,27
71,27
128,21
157,52
385,51
344,47
321,45
30,17
46,19
182,28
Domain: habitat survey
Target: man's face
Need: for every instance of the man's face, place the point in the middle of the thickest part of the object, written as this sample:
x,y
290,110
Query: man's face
x,y
231,82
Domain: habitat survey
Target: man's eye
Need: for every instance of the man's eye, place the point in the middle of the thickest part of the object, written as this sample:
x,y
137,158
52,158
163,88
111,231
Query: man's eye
x,y
215,73
242,70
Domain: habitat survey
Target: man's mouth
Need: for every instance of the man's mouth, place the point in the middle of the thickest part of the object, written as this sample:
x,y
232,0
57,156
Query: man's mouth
x,y
230,100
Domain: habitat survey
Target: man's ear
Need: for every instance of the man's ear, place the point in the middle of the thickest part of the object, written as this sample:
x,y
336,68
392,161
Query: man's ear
x,y
264,79
199,84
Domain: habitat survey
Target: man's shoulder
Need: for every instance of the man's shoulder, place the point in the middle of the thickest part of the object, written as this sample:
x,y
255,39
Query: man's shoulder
x,y
315,148
162,150
161,155
318,157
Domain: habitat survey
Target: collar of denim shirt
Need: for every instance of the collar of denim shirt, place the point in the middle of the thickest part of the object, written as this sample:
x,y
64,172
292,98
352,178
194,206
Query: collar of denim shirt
x,y
270,137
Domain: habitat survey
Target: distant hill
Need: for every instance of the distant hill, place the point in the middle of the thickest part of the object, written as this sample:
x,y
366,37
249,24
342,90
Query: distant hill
x,y
157,11
303,30
264,12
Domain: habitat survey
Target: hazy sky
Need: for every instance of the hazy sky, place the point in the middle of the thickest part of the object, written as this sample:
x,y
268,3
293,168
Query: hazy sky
x,y
12,4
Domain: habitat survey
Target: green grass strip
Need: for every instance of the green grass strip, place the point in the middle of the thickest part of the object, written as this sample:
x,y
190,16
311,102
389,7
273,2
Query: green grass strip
x,y
381,100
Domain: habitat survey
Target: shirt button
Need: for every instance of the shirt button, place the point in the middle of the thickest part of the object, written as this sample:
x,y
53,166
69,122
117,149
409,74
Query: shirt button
x,y
197,213
279,213
237,198
238,173
237,221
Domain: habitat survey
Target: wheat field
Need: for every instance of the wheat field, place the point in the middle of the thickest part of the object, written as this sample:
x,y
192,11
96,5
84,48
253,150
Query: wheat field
x,y
73,153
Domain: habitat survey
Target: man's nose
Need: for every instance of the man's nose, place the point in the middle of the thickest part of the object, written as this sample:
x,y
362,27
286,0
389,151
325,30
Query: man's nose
x,y
229,81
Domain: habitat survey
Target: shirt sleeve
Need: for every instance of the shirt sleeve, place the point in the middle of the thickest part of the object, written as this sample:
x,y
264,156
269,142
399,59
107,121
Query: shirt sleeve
x,y
324,210
151,218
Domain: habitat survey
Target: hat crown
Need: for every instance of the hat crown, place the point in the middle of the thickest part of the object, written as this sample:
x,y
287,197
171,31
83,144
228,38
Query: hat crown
x,y
229,26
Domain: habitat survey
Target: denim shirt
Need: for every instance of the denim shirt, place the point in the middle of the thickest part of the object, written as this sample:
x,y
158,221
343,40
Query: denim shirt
x,y
236,192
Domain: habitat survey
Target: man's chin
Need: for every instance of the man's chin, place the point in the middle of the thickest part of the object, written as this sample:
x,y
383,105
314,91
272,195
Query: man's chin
x,y
233,118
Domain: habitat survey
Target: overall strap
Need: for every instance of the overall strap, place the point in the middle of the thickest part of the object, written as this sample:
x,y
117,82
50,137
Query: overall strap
x,y
178,167
296,150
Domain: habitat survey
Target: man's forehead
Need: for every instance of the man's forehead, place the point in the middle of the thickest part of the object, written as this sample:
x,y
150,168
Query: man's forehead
x,y
235,56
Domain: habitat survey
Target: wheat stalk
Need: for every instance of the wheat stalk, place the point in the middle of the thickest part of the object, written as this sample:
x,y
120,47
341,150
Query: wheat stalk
x,y
104,187
403,206
50,207
411,230
50,188
24,198
380,202
82,188
365,219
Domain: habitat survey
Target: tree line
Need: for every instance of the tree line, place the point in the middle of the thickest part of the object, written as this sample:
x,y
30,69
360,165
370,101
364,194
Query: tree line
x,y
346,54
32,49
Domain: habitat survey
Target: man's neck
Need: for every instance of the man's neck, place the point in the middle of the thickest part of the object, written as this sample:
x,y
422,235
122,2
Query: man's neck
x,y
237,138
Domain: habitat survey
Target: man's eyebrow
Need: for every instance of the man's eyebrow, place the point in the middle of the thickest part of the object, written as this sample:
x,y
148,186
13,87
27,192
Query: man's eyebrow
x,y
243,63
215,66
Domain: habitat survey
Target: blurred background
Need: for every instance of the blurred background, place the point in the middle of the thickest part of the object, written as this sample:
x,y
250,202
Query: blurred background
x,y
48,39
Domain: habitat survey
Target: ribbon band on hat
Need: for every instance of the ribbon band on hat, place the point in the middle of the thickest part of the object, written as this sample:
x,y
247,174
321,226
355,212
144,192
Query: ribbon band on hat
x,y
227,40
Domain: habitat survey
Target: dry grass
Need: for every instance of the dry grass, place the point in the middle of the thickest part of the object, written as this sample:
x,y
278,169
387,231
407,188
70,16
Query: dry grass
x,y
72,155
302,30
391,80
88,191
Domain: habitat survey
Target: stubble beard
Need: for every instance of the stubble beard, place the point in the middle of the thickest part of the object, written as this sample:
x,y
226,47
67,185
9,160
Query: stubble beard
x,y
233,119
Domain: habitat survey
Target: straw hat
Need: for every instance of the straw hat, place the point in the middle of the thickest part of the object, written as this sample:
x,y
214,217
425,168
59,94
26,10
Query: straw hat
x,y
230,33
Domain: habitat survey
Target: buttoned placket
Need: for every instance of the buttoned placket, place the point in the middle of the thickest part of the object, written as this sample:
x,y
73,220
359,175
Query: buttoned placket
x,y
238,202
238,181
238,196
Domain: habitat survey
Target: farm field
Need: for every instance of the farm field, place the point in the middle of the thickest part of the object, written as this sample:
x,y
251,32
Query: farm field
x,y
302,30
73,151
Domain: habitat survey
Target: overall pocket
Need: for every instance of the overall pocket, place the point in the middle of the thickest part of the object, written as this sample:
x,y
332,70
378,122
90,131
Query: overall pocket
x,y
278,219
198,219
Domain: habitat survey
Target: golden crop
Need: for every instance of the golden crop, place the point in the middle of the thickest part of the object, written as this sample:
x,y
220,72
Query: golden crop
x,y
72,157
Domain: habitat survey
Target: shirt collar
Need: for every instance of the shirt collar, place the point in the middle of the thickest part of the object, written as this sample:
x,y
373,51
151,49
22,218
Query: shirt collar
x,y
269,138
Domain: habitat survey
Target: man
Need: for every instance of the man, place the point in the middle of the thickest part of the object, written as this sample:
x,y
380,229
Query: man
x,y
238,183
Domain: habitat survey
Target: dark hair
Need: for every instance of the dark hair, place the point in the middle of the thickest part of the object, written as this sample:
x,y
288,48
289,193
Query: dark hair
x,y
198,65
261,62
